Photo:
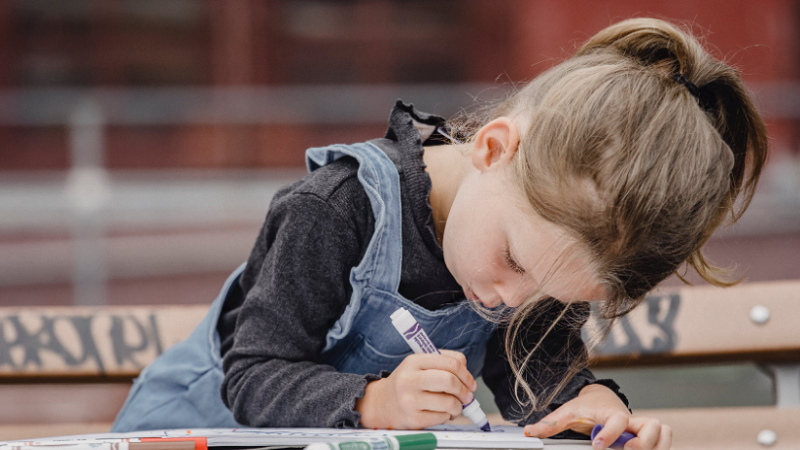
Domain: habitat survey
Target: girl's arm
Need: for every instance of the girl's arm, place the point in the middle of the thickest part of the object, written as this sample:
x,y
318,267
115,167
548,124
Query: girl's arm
x,y
550,364
598,405
296,285
583,402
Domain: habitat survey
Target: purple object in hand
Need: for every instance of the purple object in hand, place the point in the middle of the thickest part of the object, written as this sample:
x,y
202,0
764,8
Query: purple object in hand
x,y
619,443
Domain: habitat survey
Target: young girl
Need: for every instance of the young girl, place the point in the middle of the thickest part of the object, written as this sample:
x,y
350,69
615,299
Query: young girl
x,y
592,183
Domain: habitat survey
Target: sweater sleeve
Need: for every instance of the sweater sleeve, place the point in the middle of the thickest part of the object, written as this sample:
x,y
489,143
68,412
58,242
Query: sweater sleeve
x,y
549,365
300,271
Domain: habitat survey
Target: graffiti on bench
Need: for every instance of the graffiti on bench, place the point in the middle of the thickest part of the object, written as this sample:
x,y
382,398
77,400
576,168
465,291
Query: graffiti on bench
x,y
105,341
638,333
99,342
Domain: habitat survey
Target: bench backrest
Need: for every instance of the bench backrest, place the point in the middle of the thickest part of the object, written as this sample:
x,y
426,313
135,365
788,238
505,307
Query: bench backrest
x,y
689,324
89,342
749,322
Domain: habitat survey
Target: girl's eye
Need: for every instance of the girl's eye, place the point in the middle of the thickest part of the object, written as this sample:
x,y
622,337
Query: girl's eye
x,y
511,263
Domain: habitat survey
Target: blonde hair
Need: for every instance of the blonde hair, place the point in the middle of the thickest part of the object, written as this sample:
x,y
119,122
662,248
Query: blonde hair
x,y
631,162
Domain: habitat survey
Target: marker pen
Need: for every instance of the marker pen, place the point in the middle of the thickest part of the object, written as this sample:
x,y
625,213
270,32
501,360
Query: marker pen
x,y
621,440
68,443
418,441
418,340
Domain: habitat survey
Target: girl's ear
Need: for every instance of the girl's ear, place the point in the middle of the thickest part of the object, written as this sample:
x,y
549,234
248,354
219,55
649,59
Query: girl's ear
x,y
495,144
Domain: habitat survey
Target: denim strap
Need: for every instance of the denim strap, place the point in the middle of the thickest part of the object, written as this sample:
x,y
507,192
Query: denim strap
x,y
377,173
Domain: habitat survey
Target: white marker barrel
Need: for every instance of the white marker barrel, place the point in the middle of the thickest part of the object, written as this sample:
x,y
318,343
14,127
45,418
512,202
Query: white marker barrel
x,y
418,340
420,441
412,332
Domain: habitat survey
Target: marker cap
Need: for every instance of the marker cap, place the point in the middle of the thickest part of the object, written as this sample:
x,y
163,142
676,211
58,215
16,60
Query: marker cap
x,y
402,320
318,446
417,441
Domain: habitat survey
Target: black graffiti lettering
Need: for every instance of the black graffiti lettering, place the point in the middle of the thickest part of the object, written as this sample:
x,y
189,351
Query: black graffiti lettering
x,y
122,351
45,338
83,326
156,337
661,344
634,343
34,342
609,345
30,342
666,342
5,349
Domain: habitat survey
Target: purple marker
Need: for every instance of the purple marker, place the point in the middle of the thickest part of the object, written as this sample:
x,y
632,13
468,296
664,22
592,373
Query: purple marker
x,y
418,340
619,443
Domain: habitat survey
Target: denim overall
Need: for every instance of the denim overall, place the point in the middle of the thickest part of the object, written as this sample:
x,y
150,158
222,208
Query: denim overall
x,y
182,387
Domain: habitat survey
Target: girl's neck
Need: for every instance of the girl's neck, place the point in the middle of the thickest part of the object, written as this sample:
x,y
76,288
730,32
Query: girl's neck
x,y
447,166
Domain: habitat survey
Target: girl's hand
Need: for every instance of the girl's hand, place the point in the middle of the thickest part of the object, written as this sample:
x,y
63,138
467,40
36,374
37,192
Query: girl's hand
x,y
423,391
598,404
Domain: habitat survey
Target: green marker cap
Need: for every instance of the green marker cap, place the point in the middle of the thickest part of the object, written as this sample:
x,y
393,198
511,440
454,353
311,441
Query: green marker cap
x,y
419,441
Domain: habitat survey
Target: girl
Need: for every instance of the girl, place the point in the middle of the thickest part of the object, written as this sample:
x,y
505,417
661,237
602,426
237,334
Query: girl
x,y
592,183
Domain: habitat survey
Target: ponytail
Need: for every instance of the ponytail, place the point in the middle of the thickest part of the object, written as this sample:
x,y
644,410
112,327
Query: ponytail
x,y
660,46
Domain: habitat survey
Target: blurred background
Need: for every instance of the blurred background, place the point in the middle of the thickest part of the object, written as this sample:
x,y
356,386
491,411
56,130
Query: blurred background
x,y
141,140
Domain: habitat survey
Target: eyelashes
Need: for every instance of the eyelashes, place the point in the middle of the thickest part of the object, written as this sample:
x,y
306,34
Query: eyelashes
x,y
511,263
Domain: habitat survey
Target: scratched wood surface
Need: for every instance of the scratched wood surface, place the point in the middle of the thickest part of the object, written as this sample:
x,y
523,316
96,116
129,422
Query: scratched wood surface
x,y
701,324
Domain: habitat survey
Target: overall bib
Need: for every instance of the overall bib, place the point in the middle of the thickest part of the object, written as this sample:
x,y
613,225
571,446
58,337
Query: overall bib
x,y
182,387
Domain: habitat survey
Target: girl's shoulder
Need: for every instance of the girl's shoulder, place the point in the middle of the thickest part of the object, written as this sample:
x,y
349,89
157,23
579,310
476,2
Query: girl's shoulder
x,y
327,182
333,188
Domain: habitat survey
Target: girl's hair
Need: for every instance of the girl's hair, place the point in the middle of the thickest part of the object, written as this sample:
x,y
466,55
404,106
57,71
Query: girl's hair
x,y
639,146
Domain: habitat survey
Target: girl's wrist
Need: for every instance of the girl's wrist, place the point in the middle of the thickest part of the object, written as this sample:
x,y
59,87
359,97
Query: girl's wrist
x,y
368,405
589,388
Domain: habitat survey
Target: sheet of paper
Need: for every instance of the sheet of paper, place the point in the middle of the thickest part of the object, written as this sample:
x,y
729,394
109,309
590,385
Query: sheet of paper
x,y
448,436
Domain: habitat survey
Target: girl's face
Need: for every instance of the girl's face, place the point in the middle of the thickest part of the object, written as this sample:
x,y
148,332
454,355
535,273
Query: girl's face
x,y
500,251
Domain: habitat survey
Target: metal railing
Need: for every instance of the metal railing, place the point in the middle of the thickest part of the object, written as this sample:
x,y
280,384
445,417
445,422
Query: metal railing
x,y
85,113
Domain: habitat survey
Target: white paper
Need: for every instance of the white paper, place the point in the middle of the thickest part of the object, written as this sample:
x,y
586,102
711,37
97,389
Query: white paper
x,y
448,436
81,444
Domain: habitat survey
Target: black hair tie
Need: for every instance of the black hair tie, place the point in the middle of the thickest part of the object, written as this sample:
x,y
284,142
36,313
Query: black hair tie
x,y
689,85
703,95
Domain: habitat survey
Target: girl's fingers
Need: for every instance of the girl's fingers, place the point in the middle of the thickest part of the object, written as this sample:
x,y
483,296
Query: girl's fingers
x,y
458,356
553,423
424,419
665,439
446,382
651,435
612,429
446,363
439,403
648,433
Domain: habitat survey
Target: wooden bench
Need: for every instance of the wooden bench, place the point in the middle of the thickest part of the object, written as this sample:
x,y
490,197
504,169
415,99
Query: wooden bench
x,y
755,322
68,370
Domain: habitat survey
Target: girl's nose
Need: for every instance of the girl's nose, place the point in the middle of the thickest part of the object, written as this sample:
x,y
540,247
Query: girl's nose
x,y
509,293
514,292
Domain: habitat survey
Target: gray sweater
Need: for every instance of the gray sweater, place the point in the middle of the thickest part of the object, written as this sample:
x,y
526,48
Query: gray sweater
x,y
296,285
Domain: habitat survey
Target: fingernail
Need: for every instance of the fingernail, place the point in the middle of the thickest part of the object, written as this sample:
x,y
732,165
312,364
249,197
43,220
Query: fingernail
x,y
470,397
598,444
